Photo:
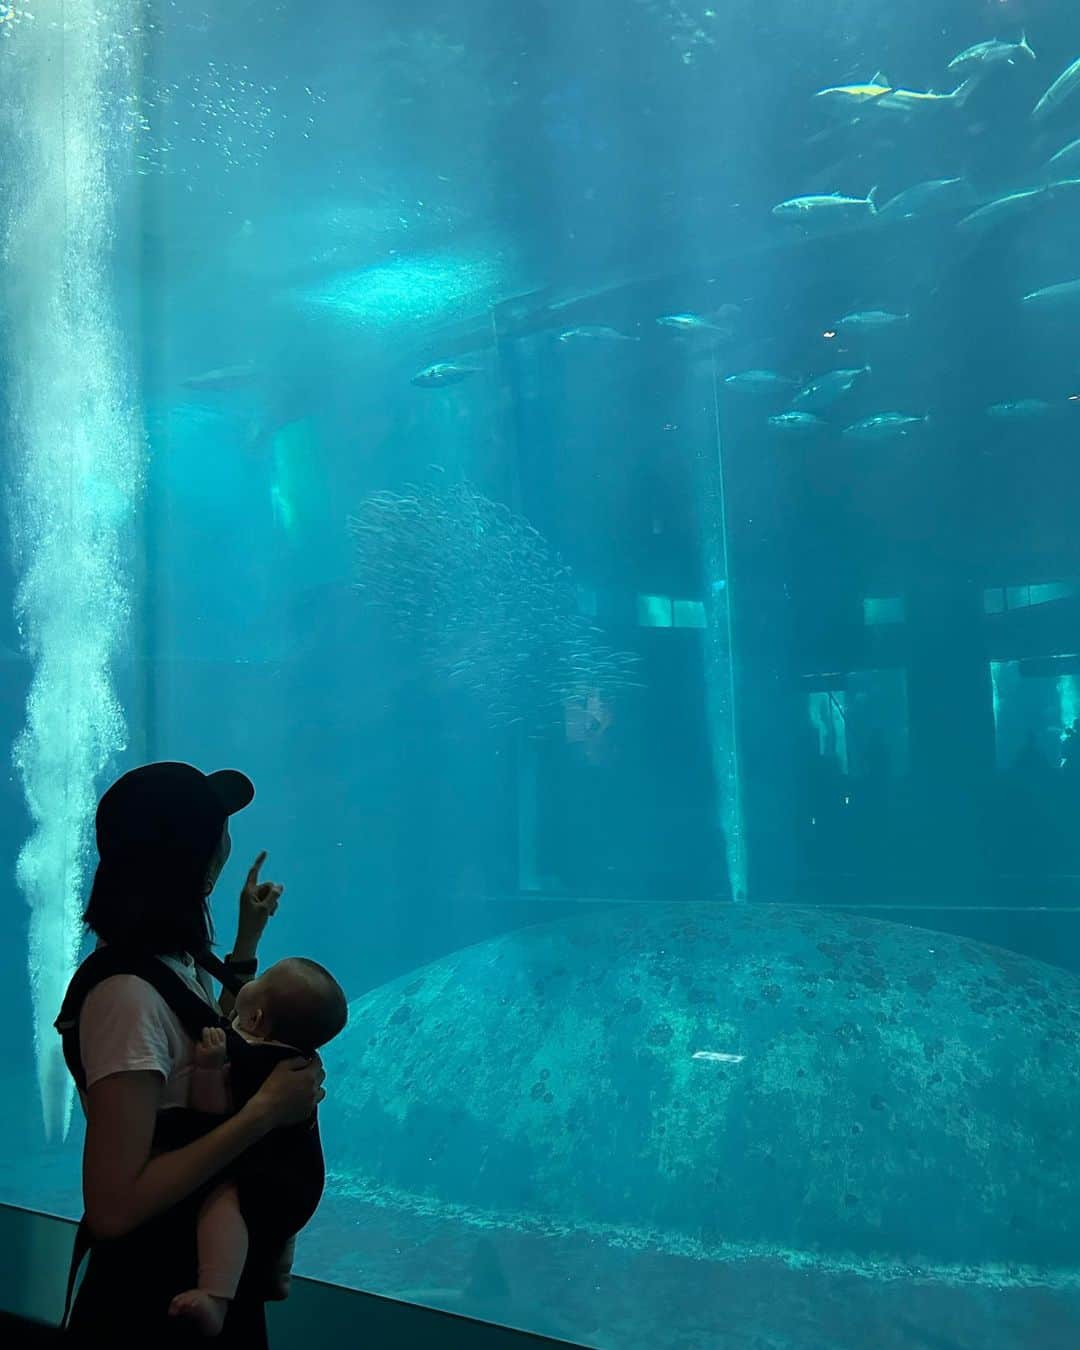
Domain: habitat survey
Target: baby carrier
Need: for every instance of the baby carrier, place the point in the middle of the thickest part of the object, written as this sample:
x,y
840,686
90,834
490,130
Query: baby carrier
x,y
280,1179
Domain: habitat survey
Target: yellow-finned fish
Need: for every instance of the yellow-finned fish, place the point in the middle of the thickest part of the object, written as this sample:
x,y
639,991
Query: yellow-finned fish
x,y
857,93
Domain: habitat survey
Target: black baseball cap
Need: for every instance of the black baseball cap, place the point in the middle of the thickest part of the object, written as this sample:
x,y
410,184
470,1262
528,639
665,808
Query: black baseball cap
x,y
171,807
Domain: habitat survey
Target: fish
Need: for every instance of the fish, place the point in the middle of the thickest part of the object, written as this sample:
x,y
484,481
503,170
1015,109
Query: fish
x,y
797,422
937,194
833,206
441,374
1001,209
857,93
1050,297
914,100
827,388
1065,84
1068,157
1022,410
718,1057
760,382
694,323
222,380
871,318
883,426
598,332
993,53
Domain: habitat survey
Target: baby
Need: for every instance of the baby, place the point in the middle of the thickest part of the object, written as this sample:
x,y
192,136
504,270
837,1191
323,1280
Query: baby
x,y
273,1188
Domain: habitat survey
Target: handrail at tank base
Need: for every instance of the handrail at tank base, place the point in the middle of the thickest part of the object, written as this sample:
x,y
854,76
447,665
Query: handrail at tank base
x,y
37,1248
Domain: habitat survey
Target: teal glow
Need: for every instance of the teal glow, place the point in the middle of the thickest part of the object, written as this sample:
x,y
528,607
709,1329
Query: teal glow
x,y
654,611
886,609
661,611
997,669
408,290
1068,692
1049,591
828,717
689,614
1023,597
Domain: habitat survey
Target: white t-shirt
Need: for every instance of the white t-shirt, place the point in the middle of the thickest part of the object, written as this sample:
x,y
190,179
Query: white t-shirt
x,y
125,1025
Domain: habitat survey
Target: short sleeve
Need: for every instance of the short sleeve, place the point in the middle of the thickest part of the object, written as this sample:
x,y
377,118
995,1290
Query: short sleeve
x,y
123,1028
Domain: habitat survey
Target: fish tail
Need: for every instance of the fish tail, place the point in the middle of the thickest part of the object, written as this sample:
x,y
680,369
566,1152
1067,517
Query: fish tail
x,y
871,198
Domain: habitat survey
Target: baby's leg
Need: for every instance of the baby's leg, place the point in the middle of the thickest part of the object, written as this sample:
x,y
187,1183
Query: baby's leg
x,y
223,1247
281,1274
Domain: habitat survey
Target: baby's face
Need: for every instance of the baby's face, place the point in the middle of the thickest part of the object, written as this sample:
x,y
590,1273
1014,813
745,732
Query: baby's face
x,y
249,1013
251,1010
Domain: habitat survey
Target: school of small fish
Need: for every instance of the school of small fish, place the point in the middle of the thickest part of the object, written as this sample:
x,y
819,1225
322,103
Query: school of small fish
x,y
483,601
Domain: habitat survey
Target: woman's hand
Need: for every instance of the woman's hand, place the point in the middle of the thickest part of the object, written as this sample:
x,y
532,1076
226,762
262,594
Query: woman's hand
x,y
291,1092
258,904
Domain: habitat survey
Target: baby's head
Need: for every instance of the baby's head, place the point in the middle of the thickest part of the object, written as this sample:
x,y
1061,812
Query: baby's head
x,y
297,1002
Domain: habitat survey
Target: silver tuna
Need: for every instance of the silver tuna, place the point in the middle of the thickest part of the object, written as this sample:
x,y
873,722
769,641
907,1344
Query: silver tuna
x,y
886,426
832,207
827,388
993,53
1065,85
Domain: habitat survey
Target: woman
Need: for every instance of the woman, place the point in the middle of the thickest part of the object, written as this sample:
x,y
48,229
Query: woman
x,y
162,833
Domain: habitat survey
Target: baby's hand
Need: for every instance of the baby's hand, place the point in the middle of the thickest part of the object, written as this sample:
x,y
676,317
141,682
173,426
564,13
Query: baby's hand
x,y
210,1052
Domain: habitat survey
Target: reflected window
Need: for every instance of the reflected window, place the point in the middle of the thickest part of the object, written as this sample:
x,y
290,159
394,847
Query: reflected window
x,y
1037,793
654,611
851,828
884,610
998,599
859,720
1036,709
828,717
661,611
689,613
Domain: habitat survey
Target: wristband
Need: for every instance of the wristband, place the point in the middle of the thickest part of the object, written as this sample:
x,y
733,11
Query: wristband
x,y
246,968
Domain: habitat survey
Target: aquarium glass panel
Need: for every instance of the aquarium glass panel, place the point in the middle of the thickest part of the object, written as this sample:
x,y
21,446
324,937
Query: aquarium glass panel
x,y
607,471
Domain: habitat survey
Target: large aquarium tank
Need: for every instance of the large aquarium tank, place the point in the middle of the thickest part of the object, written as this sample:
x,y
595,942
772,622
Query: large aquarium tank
x,y
610,471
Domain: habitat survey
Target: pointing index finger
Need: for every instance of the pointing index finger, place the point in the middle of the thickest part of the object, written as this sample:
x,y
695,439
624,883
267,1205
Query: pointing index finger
x,y
253,873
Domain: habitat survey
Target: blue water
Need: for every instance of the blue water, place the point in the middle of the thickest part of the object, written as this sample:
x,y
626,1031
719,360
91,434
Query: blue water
x,y
342,444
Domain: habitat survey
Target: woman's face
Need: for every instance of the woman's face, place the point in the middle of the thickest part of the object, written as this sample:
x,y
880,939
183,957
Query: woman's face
x,y
218,861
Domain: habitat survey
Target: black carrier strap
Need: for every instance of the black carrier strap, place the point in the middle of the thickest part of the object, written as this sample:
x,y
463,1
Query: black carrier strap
x,y
193,1012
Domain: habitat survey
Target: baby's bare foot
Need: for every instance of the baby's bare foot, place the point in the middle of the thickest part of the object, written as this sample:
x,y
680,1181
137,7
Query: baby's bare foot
x,y
205,1310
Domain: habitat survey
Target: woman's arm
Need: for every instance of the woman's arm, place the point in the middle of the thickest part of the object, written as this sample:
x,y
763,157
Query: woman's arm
x,y
258,903
123,1185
